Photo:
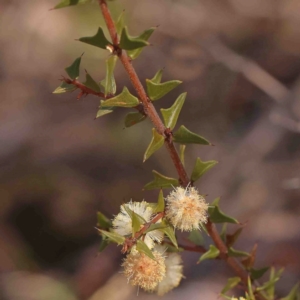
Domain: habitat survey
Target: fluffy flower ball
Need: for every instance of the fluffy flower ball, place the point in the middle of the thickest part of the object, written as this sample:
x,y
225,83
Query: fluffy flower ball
x,y
143,271
186,209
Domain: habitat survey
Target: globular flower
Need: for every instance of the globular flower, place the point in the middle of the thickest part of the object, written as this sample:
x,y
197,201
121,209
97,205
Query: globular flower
x,y
143,271
173,275
122,223
186,209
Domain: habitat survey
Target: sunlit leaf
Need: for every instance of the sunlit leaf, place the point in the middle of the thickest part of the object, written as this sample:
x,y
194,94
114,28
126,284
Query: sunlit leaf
x,y
91,83
137,221
156,226
158,90
109,82
142,247
133,118
65,3
125,99
114,237
64,88
157,77
213,252
98,40
102,221
201,167
185,136
156,143
171,114
131,43
73,70
231,283
196,237
104,111
161,181
160,202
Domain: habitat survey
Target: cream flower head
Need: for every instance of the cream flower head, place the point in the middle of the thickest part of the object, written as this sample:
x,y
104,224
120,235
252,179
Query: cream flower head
x,y
186,209
122,223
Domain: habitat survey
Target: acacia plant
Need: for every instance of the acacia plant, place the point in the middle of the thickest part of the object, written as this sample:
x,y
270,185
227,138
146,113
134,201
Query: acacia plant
x,y
147,231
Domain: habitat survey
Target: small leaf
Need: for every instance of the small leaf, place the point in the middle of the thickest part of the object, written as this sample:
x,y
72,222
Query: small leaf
x,y
133,118
104,111
120,23
104,243
73,70
249,261
133,54
250,296
65,3
98,40
231,238
171,248
269,286
157,77
142,247
171,114
293,294
217,216
137,221
161,181
201,167
155,144
131,214
109,82
158,90
64,88
223,232
231,283
125,99
156,226
102,221
185,136
114,237
213,252
131,43
258,273
91,83
160,203
181,153
170,233
196,237
236,253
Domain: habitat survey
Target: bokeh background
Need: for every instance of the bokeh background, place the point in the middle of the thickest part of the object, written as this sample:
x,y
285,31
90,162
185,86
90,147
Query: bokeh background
x,y
240,63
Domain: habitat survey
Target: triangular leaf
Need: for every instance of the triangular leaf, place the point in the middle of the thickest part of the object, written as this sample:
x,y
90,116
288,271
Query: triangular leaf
x,y
231,283
104,111
109,82
142,247
155,144
157,77
104,243
269,286
137,221
185,136
181,153
258,273
213,252
91,83
64,88
158,90
196,237
120,23
161,181
133,118
133,54
131,213
249,261
170,233
125,99
217,216
156,226
131,43
171,114
114,237
73,70
65,3
102,221
98,40
201,167
160,203
293,294
236,253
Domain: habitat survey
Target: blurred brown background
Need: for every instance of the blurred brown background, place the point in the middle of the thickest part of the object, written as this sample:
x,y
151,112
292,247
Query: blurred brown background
x,y
240,63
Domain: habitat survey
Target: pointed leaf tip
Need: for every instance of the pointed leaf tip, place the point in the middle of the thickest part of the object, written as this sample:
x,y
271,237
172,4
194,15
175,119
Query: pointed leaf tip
x,y
161,181
66,3
73,69
155,144
125,99
158,90
131,43
185,136
213,252
133,118
98,40
201,167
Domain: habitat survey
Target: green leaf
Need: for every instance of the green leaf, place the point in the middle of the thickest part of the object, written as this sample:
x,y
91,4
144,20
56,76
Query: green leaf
x,y
125,99
213,252
293,294
171,248
99,40
231,283
158,90
109,82
196,237
73,70
201,167
102,221
250,296
104,243
114,237
131,214
64,88
157,77
161,181
155,144
91,83
156,226
120,23
236,253
131,43
258,273
170,233
133,54
104,111
171,114
269,286
217,216
142,247
181,153
137,221
133,118
160,203
185,136
223,232
65,3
